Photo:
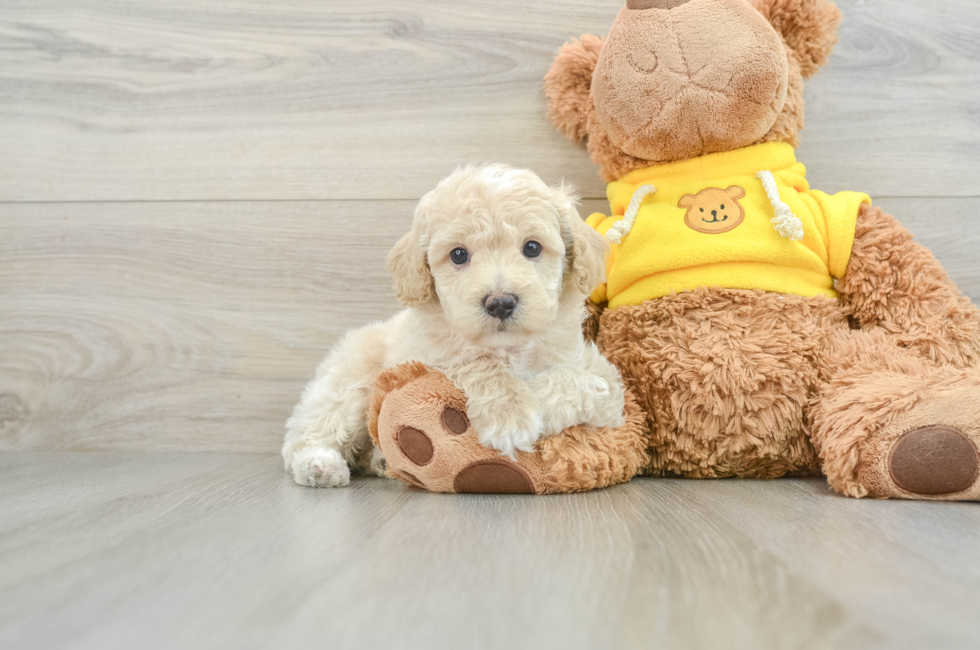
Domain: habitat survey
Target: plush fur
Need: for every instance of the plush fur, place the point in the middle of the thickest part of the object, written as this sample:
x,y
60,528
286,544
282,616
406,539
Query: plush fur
x,y
880,388
416,397
529,375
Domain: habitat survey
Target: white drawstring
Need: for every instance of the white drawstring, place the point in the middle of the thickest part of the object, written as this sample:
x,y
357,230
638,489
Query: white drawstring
x,y
623,227
787,224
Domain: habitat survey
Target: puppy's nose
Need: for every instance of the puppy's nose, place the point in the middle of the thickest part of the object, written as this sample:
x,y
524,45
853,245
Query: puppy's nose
x,y
654,4
714,213
500,305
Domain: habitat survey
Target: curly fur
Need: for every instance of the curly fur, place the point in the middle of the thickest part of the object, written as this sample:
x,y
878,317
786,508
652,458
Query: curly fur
x,y
528,375
896,284
725,377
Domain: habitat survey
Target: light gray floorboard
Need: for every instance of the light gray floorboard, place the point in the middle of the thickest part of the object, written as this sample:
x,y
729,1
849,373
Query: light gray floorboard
x,y
346,99
162,550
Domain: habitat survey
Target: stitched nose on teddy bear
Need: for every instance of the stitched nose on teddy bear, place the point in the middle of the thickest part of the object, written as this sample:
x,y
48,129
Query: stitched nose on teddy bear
x,y
654,4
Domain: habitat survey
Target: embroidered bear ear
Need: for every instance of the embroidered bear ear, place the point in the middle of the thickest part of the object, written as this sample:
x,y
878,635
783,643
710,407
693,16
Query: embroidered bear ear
x,y
686,201
735,192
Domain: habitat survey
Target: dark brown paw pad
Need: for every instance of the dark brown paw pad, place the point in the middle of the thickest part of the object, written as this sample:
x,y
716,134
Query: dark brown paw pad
x,y
493,477
934,460
455,421
416,446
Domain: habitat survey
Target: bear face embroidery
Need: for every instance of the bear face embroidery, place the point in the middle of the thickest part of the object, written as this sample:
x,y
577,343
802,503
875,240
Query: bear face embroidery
x,y
714,210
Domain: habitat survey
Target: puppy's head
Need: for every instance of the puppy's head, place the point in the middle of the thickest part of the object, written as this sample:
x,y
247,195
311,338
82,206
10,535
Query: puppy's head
x,y
499,252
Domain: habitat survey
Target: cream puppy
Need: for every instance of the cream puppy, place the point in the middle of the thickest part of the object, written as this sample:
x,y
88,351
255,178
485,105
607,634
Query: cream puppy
x,y
494,275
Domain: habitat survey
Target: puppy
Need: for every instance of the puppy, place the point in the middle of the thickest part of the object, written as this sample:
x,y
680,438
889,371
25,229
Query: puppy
x,y
494,275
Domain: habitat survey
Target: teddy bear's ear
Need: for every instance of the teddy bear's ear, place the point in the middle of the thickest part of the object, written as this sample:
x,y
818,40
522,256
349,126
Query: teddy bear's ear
x,y
686,201
568,85
809,27
735,192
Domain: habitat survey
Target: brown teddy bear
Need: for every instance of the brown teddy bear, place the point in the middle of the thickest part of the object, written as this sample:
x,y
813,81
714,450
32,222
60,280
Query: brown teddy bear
x,y
765,328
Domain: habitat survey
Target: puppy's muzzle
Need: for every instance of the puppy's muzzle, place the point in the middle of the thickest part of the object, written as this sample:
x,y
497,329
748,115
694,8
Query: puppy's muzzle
x,y
500,305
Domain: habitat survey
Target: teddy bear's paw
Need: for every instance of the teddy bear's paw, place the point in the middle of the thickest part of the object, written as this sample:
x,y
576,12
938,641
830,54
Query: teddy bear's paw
x,y
493,476
451,443
429,442
930,452
934,460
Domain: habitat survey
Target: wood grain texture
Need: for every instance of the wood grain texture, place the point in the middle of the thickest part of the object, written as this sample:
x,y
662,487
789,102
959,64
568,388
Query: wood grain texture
x,y
341,99
174,326
223,551
194,326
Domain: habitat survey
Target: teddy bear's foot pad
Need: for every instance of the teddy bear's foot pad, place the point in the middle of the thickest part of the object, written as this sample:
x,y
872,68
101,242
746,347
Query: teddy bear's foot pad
x,y
493,477
416,446
934,460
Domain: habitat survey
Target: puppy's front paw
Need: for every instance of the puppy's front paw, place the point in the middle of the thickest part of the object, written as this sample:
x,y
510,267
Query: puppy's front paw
x,y
608,402
596,388
318,467
571,398
507,426
377,466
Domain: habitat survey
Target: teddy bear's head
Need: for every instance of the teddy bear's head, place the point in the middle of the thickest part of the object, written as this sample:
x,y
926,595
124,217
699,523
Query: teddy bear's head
x,y
677,79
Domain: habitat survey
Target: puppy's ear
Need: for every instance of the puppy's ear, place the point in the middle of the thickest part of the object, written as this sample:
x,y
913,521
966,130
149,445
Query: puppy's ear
x,y
568,86
585,249
686,201
408,265
809,27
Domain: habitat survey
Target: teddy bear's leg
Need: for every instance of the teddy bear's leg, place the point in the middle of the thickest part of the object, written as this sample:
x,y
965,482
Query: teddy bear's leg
x,y
896,285
724,376
889,423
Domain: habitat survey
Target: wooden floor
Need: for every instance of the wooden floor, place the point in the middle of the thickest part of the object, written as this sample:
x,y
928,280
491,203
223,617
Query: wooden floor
x,y
196,199
196,550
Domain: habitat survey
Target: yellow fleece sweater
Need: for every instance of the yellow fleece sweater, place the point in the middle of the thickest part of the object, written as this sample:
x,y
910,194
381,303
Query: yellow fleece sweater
x,y
710,223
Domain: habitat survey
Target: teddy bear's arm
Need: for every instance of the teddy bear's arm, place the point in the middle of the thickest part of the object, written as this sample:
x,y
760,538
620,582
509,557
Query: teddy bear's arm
x,y
896,284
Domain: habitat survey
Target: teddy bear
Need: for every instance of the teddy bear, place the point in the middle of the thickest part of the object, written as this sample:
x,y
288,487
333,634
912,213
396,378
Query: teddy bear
x,y
765,328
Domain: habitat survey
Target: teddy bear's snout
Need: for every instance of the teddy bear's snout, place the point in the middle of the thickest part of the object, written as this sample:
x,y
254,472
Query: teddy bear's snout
x,y
654,4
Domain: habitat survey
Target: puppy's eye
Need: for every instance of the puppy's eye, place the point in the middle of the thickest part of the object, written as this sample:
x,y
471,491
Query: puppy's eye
x,y
532,249
722,207
702,209
459,256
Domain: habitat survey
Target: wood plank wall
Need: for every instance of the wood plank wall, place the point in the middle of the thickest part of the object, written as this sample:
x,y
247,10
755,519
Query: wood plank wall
x,y
196,198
